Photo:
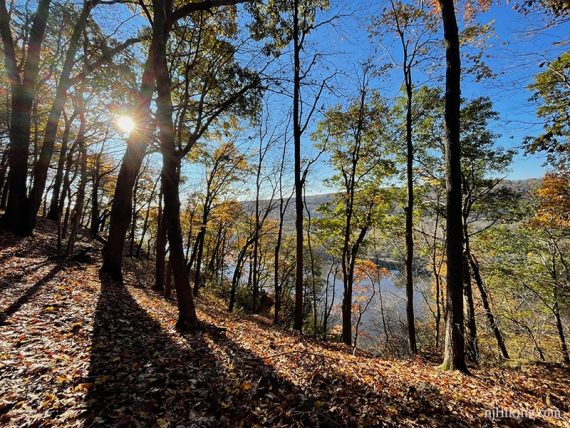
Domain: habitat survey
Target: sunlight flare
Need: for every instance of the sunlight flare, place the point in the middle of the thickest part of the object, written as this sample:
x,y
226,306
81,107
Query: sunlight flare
x,y
126,124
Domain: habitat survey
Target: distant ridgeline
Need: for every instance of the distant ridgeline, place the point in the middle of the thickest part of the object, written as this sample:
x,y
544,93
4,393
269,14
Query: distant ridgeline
x,y
525,187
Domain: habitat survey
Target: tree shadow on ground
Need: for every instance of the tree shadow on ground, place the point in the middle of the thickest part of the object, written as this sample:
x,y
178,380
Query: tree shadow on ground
x,y
143,375
29,293
10,278
140,374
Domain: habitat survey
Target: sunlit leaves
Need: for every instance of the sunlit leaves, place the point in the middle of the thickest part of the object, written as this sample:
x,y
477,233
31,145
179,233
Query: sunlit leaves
x,y
551,89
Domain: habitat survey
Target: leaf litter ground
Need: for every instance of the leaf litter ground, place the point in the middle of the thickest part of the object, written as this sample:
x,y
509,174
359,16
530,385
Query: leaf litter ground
x,y
79,350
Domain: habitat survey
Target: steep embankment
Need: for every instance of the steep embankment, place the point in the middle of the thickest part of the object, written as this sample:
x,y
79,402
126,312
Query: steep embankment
x,y
79,350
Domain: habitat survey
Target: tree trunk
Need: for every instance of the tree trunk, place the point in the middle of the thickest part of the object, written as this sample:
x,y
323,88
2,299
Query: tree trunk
x,y
346,305
276,282
4,196
198,253
471,326
187,320
255,259
55,194
189,240
42,165
560,328
3,175
130,166
454,353
79,200
412,347
313,284
487,307
328,307
235,280
146,217
299,283
22,95
65,192
134,216
160,244
95,214
237,274
282,207
168,282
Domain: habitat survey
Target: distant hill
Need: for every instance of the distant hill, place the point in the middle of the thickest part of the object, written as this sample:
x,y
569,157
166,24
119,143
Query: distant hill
x,y
313,202
523,186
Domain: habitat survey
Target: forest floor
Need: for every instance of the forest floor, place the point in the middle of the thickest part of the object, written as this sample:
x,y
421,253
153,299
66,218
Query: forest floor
x,y
79,350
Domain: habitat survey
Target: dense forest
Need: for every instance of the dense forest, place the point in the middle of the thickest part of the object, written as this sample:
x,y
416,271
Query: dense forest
x,y
284,213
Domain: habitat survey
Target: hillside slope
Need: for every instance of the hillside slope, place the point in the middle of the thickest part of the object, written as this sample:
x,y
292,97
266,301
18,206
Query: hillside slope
x,y
313,202
79,350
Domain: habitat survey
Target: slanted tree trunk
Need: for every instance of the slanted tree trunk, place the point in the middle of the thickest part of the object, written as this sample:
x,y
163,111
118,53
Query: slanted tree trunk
x,y
237,273
22,95
200,239
4,196
168,282
65,193
560,330
487,307
454,353
189,239
3,174
556,312
471,326
146,217
95,215
235,280
73,167
313,275
96,177
55,194
328,307
42,165
213,264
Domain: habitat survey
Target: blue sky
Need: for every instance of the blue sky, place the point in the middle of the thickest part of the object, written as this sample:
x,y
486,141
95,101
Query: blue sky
x,y
514,53
515,50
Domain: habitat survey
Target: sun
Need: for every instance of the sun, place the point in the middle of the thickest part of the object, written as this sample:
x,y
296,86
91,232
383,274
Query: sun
x,y
126,123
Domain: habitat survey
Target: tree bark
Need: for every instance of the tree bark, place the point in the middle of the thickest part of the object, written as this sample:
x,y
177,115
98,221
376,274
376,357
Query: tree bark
x,y
160,244
299,280
80,199
560,328
130,166
42,165
187,320
471,326
454,353
412,347
22,95
237,273
282,208
146,218
55,194
3,175
487,307
199,254
350,251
